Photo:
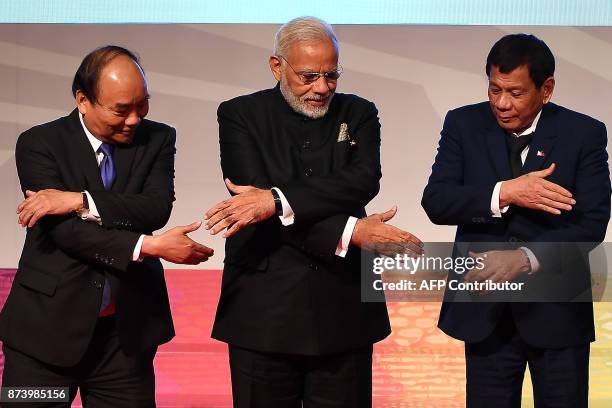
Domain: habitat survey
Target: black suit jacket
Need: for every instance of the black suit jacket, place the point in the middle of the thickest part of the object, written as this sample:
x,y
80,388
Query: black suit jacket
x,y
53,305
283,288
472,157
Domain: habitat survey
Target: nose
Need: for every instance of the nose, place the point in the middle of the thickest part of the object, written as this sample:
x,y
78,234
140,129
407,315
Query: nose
x,y
503,102
133,119
320,86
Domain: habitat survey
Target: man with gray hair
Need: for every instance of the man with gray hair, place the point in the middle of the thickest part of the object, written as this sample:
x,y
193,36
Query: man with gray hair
x,y
301,163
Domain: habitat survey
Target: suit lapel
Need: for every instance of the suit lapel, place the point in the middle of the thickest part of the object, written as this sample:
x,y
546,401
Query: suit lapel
x,y
124,158
86,156
498,151
543,142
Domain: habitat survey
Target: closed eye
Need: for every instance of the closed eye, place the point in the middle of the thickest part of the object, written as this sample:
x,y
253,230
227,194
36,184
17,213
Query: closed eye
x,y
309,76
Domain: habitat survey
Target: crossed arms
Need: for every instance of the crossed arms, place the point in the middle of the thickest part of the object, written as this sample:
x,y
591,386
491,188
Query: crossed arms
x,y
50,206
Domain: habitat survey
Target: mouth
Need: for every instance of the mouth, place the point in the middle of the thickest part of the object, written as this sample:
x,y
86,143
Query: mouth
x,y
128,132
316,102
505,119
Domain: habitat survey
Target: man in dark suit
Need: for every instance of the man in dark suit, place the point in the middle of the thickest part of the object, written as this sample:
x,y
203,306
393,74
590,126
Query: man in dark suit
x,y
305,161
532,174
89,305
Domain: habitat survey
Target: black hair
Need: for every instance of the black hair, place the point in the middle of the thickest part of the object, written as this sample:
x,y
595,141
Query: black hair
x,y
515,50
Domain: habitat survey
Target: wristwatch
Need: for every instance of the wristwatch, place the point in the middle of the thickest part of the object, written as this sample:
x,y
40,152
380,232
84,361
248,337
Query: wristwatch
x,y
278,205
83,212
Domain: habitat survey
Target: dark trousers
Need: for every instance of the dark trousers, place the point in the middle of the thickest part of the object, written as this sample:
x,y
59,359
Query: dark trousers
x,y
496,367
266,380
105,376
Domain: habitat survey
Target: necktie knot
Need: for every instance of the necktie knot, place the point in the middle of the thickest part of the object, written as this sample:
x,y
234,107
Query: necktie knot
x,y
107,149
516,145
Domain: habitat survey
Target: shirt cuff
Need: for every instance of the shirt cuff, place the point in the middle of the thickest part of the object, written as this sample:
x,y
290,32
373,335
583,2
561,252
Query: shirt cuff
x,y
533,261
92,215
345,240
496,212
136,254
288,216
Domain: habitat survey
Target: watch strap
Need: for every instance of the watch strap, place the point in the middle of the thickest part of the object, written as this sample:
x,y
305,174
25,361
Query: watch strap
x,y
278,204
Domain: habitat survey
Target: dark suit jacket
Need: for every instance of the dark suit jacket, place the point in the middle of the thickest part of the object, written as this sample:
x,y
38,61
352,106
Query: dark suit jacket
x,y
472,157
283,288
53,306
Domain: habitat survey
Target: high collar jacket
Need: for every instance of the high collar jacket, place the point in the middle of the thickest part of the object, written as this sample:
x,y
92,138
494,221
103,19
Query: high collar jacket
x,y
283,288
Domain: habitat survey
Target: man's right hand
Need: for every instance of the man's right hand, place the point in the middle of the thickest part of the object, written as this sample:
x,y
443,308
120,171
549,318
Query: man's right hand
x,y
175,246
532,191
372,234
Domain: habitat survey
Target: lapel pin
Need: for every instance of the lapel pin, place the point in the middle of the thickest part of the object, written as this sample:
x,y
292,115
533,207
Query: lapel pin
x,y
540,153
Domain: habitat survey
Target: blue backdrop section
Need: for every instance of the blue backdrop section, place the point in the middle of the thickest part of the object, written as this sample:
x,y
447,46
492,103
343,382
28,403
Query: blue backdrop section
x,y
448,12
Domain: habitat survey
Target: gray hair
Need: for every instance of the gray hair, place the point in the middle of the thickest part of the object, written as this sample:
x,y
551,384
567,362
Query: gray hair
x,y
302,29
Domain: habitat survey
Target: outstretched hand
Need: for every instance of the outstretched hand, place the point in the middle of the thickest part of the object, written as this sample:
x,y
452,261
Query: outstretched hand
x,y
175,246
374,234
248,206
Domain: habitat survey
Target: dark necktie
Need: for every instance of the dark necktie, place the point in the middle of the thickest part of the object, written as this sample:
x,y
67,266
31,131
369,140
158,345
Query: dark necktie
x,y
516,145
109,174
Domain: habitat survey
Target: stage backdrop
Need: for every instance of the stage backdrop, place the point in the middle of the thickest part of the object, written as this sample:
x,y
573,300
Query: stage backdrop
x,y
414,74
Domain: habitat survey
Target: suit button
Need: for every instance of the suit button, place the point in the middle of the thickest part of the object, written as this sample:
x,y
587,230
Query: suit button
x,y
97,284
314,267
306,144
308,172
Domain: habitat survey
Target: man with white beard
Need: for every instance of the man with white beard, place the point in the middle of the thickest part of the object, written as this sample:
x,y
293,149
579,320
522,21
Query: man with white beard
x,y
301,162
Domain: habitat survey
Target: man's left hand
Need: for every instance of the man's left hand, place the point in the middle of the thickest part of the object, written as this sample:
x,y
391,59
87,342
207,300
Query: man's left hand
x,y
250,205
47,202
499,266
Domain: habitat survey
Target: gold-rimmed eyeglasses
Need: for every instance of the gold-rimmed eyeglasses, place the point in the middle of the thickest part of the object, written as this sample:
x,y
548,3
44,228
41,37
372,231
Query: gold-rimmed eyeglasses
x,y
309,77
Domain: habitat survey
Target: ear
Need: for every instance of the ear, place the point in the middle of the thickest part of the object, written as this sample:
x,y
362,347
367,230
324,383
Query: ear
x,y
275,66
547,89
82,102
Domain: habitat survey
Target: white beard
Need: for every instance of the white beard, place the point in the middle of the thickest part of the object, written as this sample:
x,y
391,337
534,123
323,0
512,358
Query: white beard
x,y
300,105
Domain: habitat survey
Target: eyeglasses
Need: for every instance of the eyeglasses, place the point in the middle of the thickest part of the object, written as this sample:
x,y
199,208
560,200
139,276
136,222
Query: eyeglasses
x,y
309,77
